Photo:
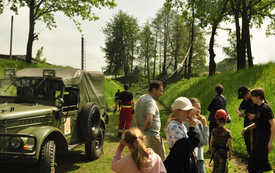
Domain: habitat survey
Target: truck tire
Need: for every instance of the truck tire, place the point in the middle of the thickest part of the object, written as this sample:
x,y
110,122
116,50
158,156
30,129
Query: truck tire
x,y
94,149
47,157
90,121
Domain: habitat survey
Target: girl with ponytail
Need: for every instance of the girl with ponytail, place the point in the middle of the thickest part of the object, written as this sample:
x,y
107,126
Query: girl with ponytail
x,y
140,159
265,124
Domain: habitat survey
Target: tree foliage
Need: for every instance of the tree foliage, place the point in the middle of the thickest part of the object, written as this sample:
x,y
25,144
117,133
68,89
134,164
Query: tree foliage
x,y
44,10
146,48
120,43
162,43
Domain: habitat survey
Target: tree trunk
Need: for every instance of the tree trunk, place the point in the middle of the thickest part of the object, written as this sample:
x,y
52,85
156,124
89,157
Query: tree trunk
x,y
160,55
164,55
236,10
249,52
155,56
185,69
212,63
31,33
244,34
165,45
132,64
191,48
147,58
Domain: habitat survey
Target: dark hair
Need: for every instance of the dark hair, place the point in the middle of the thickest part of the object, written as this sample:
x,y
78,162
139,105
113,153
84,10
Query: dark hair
x,y
155,84
219,88
126,86
259,92
194,100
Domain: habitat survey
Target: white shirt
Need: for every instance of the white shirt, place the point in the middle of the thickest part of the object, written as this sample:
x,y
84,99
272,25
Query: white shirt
x,y
175,131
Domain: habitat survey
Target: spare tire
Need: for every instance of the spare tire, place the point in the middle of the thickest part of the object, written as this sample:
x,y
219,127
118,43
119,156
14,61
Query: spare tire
x,y
90,121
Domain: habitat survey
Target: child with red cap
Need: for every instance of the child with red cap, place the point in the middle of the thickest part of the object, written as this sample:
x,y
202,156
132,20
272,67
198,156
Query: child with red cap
x,y
220,143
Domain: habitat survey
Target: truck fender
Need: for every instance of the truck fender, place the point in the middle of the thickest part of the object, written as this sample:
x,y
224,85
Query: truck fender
x,y
47,132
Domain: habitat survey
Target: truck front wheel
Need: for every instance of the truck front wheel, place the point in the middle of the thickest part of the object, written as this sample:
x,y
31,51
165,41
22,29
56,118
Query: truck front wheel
x,y
94,148
47,157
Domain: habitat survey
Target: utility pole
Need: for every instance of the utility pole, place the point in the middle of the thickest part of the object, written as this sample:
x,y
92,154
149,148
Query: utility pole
x,y
83,53
11,37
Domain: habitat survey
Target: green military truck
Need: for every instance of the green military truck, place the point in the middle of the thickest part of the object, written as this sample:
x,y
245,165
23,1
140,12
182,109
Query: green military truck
x,y
44,111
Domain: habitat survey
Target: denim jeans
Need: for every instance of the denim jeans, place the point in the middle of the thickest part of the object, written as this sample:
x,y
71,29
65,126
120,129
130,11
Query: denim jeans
x,y
200,164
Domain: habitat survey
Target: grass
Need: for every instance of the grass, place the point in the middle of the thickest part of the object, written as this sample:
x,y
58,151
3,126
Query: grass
x,y
75,161
111,88
203,88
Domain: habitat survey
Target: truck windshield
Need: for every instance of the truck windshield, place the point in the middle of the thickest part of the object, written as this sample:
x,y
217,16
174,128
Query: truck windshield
x,y
45,88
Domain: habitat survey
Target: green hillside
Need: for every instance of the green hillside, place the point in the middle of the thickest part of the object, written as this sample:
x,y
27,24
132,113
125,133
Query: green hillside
x,y
111,88
203,88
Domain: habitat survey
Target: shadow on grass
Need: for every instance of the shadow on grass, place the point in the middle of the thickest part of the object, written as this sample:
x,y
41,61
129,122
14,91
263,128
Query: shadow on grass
x,y
66,162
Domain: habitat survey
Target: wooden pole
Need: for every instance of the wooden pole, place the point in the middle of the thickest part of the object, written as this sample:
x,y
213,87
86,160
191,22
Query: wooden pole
x,y
11,37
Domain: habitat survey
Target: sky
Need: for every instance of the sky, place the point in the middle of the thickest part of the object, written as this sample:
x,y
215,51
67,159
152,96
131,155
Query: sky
x,y
62,45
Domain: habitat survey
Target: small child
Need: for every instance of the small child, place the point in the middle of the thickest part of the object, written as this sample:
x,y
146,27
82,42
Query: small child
x,y
140,159
220,143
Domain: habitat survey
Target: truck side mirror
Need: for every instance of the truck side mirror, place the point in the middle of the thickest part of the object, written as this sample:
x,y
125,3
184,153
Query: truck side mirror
x,y
59,102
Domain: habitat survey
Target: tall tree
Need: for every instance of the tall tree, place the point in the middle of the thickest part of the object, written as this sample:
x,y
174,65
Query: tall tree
x,y
147,47
162,24
120,43
44,10
216,12
188,11
179,41
254,11
249,10
133,30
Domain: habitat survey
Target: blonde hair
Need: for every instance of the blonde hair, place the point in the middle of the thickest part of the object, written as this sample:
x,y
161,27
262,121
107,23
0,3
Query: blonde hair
x,y
135,139
170,118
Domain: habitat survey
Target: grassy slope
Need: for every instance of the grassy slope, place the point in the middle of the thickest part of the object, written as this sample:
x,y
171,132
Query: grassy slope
x,y
203,88
111,88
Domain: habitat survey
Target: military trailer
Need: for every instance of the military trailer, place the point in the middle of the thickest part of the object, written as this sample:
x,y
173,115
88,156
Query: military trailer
x,y
44,111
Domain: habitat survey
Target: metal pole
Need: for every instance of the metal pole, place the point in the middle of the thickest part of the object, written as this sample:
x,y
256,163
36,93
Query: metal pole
x,y
11,37
82,52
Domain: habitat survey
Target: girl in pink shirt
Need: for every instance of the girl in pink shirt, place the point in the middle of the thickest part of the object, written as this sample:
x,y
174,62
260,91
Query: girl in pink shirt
x,y
140,159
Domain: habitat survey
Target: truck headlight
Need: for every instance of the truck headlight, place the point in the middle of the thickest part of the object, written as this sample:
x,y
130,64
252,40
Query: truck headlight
x,y
15,142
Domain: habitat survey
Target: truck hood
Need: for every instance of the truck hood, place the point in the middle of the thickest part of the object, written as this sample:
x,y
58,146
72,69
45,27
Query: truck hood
x,y
15,110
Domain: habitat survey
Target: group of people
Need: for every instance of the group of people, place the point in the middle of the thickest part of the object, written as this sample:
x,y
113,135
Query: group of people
x,y
187,131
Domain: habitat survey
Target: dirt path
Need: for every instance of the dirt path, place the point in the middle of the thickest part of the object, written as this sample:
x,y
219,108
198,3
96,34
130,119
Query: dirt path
x,y
235,165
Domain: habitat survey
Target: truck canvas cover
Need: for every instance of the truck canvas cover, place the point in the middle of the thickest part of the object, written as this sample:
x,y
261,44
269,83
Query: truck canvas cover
x,y
90,83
